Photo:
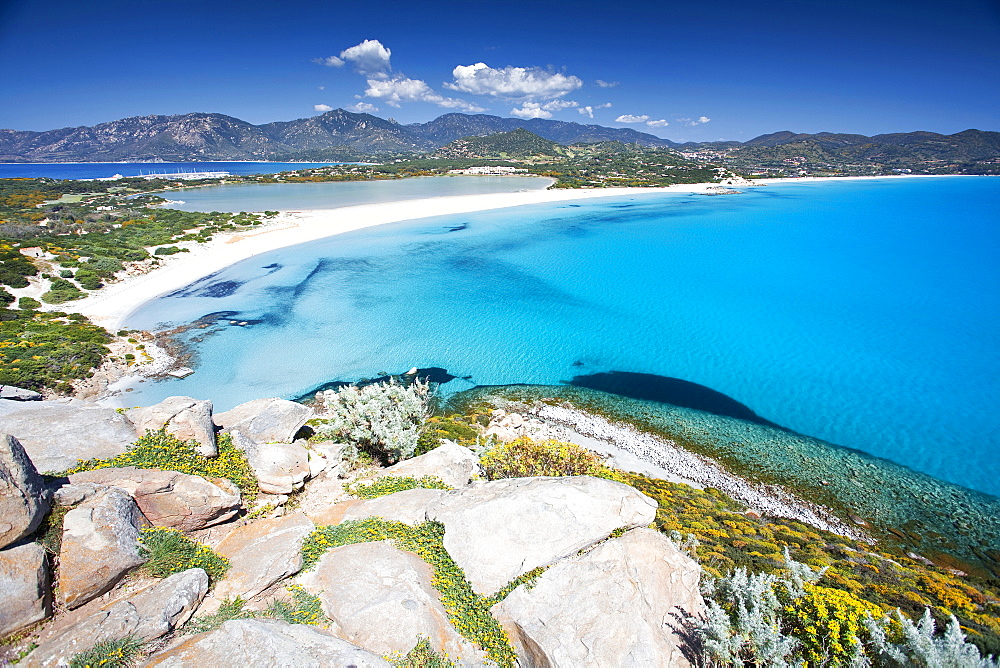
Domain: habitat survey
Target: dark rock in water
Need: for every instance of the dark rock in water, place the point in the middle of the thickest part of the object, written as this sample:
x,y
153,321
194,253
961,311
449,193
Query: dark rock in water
x,y
18,394
434,374
674,391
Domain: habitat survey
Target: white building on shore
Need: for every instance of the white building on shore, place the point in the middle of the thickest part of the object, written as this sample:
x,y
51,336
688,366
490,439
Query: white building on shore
x,y
488,170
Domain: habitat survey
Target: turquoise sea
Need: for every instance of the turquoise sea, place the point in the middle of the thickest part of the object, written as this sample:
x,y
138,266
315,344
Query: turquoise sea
x,y
862,313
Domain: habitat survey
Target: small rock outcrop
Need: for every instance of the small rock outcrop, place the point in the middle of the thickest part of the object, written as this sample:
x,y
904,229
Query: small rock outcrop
x,y
262,553
24,581
455,465
281,468
149,614
266,420
171,499
408,507
56,434
265,642
617,605
381,598
184,417
18,394
100,544
501,529
24,500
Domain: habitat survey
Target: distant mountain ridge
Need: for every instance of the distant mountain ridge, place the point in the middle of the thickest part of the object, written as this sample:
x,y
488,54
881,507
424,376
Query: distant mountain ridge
x,y
340,135
333,135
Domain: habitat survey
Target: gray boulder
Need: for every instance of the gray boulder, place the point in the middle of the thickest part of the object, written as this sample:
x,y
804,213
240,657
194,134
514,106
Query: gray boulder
x,y
24,581
148,614
262,553
617,605
453,464
498,530
266,420
280,468
18,394
408,507
24,499
56,434
240,643
169,498
184,417
100,544
381,598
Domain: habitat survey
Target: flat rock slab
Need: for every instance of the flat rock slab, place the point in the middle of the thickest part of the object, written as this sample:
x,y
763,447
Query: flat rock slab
x,y
266,420
150,613
24,500
184,417
18,394
616,605
381,598
171,499
100,544
453,464
241,643
280,468
408,507
56,434
499,530
24,581
262,553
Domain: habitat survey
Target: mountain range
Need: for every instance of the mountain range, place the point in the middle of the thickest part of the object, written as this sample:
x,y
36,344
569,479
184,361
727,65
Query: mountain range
x,y
343,135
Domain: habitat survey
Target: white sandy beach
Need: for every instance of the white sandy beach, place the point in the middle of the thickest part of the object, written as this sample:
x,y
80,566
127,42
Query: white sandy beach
x,y
111,306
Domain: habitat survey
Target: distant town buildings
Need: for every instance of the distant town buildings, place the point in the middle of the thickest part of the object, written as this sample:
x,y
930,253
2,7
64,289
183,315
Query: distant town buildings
x,y
488,171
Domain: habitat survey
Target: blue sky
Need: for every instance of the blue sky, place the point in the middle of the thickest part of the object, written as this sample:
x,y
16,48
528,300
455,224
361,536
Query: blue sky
x,y
691,71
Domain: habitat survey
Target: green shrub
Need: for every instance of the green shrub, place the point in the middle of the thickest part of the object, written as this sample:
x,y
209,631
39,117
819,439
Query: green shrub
x,y
303,609
119,653
421,656
523,458
28,304
468,612
168,551
372,489
6,298
160,450
383,419
44,350
62,294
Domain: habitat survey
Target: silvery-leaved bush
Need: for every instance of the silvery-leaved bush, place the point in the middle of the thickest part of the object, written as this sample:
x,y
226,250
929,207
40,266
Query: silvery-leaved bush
x,y
382,418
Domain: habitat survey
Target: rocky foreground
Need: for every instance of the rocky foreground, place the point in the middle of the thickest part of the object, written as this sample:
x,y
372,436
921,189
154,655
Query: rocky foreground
x,y
568,570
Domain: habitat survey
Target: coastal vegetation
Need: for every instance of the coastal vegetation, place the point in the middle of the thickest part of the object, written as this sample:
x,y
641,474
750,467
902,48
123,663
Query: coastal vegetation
x,y
46,351
168,551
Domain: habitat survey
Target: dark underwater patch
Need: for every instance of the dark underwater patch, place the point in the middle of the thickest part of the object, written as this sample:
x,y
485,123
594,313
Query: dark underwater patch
x,y
666,390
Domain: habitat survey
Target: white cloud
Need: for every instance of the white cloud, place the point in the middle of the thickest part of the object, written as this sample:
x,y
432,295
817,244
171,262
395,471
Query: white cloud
x,y
369,57
322,107
402,89
512,82
662,123
588,111
331,61
629,118
542,109
701,120
606,84
362,108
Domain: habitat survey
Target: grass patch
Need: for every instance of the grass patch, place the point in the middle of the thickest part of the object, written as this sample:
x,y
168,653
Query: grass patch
x,y
421,656
49,534
391,484
527,579
168,551
160,450
468,612
229,609
120,653
304,608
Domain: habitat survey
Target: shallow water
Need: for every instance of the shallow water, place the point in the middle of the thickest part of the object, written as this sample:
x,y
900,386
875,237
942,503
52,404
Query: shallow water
x,y
332,195
863,313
